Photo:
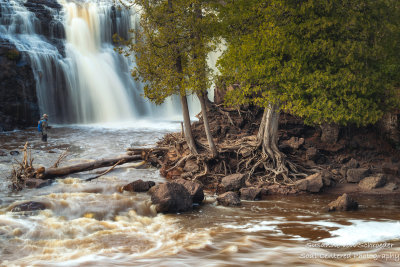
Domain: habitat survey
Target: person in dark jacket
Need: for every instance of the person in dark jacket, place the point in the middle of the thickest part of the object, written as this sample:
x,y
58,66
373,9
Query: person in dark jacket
x,y
44,127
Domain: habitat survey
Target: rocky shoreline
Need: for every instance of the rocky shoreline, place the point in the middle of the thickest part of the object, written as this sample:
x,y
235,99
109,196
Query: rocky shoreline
x,y
349,160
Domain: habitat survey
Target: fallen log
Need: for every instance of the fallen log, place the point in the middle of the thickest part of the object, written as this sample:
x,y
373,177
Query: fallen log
x,y
147,151
52,173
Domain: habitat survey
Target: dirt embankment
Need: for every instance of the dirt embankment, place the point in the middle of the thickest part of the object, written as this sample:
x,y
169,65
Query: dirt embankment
x,y
351,160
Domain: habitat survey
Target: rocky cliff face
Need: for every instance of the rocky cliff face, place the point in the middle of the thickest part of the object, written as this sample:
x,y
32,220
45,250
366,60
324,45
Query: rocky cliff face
x,y
18,101
19,106
48,25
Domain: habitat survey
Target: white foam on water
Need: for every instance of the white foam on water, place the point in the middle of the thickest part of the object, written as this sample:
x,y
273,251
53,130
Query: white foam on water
x,y
361,231
254,226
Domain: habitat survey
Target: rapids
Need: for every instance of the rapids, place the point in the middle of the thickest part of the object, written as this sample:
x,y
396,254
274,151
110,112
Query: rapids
x,y
94,224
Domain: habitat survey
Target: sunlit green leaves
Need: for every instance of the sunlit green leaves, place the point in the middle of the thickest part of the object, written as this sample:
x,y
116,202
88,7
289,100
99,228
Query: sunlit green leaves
x,y
324,60
171,47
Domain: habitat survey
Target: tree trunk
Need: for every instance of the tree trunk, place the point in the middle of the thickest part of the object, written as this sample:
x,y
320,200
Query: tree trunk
x,y
268,136
210,140
260,134
87,166
186,123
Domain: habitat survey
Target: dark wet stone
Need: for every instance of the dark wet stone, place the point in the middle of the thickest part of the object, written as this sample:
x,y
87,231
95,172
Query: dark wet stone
x,y
250,193
312,183
139,186
29,206
195,190
229,199
171,197
343,203
372,182
233,182
355,175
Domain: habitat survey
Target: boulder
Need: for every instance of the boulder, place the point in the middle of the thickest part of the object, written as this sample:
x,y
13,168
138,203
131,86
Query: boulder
x,y
29,206
312,183
343,203
352,164
391,168
191,166
233,182
372,182
139,186
327,178
391,187
171,197
195,190
278,189
229,199
250,193
355,175
294,142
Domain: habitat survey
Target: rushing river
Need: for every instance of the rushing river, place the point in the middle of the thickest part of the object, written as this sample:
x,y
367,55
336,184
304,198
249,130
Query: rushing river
x,y
94,224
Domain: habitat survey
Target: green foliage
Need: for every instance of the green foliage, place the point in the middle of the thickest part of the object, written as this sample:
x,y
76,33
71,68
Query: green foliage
x,y
323,60
171,47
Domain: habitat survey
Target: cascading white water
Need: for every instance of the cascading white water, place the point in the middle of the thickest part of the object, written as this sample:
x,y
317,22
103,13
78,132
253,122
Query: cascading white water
x,y
98,90
79,77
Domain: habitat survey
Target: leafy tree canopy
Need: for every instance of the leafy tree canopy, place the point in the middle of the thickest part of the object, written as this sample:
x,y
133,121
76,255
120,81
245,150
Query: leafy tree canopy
x,y
171,46
324,60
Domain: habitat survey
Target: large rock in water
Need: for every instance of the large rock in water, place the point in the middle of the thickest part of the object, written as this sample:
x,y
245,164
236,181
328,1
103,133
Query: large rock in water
x,y
370,183
250,193
233,182
18,102
343,203
139,186
171,197
229,199
29,206
312,183
355,175
195,190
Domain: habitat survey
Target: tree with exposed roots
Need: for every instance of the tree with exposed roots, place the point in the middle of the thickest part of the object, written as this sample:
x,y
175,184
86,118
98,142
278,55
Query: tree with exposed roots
x,y
325,61
170,48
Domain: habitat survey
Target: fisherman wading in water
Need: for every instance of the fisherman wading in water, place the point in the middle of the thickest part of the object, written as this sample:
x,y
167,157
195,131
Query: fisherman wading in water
x,y
43,126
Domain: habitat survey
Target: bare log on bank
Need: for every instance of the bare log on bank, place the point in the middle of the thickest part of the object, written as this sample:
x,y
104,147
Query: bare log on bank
x,y
52,173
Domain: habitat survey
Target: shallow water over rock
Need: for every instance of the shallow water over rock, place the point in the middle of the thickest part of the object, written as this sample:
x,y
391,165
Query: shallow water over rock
x,y
95,224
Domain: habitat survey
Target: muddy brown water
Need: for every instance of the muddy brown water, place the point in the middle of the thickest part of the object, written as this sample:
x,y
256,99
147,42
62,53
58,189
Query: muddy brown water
x,y
93,224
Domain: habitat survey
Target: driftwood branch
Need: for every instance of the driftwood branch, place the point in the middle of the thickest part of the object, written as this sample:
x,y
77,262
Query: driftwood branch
x,y
51,173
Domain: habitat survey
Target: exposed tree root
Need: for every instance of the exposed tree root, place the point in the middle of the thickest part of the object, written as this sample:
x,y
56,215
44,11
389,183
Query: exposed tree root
x,y
242,155
22,170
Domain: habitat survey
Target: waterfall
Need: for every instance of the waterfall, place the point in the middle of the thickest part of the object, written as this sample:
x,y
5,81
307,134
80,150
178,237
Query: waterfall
x,y
80,78
98,86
